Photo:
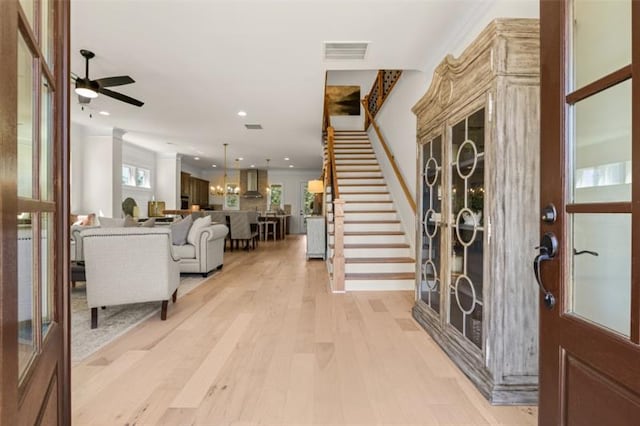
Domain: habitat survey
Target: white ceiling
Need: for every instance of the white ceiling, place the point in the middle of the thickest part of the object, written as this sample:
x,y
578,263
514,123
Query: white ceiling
x,y
197,63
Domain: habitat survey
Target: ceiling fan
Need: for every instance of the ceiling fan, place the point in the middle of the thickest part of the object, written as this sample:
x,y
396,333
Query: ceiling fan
x,y
88,89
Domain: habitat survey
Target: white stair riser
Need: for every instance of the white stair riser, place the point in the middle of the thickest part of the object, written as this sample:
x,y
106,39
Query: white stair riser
x,y
363,188
359,173
378,285
359,152
375,252
370,216
354,155
352,145
341,161
364,227
381,268
354,167
363,181
371,239
365,197
352,207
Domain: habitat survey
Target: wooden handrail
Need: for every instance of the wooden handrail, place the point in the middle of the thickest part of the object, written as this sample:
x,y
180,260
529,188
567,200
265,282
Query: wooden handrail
x,y
326,118
391,158
332,160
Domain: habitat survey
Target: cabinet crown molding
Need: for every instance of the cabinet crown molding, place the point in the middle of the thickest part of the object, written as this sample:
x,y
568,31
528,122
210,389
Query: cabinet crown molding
x,y
506,47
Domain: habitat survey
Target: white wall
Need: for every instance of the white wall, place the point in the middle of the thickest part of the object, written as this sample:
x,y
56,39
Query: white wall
x,y
136,156
167,180
395,119
78,138
97,175
96,172
364,79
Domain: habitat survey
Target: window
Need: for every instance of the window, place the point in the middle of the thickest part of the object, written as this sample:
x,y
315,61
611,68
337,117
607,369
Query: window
x,y
136,176
275,195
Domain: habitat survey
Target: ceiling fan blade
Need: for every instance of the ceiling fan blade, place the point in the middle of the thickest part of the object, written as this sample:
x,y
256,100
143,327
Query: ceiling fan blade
x,y
114,81
74,76
120,97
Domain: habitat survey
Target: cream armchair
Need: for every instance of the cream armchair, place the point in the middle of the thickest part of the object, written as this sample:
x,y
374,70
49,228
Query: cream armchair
x,y
129,265
207,251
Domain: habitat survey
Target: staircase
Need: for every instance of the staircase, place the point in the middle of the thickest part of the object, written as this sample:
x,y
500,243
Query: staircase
x,y
377,254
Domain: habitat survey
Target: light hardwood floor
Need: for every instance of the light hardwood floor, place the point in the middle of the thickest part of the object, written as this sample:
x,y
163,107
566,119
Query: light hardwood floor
x,y
264,343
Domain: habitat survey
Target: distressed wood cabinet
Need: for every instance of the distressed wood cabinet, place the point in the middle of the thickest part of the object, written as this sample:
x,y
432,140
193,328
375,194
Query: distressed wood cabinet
x,y
477,186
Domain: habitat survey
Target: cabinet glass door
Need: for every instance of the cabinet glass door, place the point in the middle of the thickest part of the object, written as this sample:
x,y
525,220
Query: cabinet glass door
x,y
431,182
467,230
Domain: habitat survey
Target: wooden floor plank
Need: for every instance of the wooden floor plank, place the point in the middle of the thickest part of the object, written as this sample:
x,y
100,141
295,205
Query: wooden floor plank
x,y
264,342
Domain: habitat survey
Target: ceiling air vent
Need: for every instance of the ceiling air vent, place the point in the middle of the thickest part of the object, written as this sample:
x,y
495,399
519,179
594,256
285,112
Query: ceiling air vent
x,y
253,126
345,49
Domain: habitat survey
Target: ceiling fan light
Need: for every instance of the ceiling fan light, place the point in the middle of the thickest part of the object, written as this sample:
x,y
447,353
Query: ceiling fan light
x,y
86,92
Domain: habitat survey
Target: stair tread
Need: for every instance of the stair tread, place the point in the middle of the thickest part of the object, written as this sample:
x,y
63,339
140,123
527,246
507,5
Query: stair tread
x,y
353,260
363,184
357,164
380,276
371,245
369,211
369,221
379,260
361,177
369,202
364,192
367,233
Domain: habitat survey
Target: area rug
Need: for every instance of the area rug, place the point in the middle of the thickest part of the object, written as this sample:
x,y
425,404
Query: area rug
x,y
113,321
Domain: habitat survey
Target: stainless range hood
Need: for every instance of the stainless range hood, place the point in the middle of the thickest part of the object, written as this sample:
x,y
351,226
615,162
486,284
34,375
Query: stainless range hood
x,y
252,185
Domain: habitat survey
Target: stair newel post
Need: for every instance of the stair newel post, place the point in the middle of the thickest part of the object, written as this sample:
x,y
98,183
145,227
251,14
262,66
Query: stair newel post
x,y
338,248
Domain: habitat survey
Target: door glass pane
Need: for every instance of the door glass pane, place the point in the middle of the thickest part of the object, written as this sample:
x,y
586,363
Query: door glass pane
x,y
28,8
46,31
467,231
46,143
431,223
26,337
25,120
601,38
601,273
46,265
602,146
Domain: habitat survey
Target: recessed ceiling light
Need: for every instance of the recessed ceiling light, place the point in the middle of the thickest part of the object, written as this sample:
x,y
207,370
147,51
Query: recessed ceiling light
x,y
104,113
242,113
240,158
253,165
291,165
213,165
196,158
286,158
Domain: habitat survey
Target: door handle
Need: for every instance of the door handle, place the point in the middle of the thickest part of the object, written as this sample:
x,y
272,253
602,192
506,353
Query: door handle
x,y
548,250
578,253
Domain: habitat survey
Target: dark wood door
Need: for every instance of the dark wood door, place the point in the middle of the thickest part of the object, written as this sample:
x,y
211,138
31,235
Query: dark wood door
x,y
590,171
34,123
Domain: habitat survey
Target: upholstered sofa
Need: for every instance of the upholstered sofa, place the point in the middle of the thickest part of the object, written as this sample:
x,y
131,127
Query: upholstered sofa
x,y
129,265
202,257
207,252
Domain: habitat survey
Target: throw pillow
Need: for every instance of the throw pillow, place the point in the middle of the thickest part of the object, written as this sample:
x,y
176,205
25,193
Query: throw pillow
x,y
180,230
130,222
199,223
109,222
149,223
